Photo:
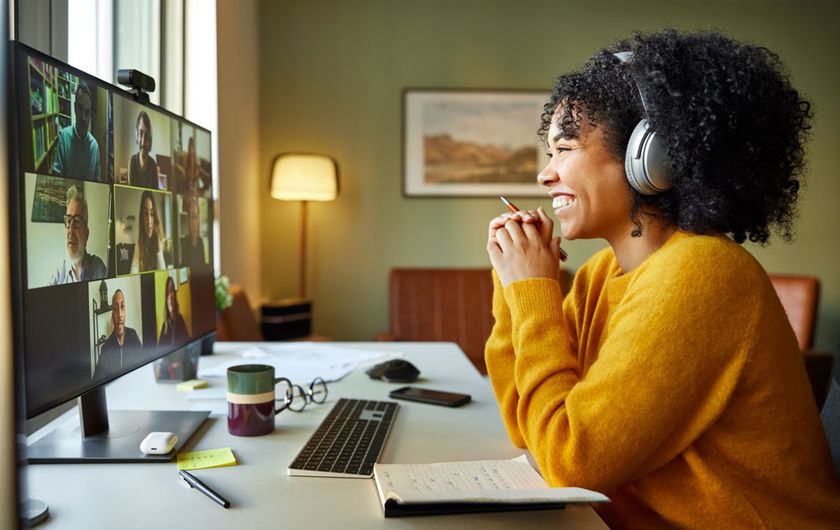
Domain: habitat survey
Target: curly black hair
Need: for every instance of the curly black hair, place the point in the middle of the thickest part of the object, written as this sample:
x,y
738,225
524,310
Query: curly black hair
x,y
732,125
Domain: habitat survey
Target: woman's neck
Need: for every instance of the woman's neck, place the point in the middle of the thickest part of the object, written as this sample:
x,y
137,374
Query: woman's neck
x,y
631,251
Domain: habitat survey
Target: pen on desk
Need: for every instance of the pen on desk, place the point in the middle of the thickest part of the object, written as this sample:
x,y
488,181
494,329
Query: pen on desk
x,y
513,208
203,488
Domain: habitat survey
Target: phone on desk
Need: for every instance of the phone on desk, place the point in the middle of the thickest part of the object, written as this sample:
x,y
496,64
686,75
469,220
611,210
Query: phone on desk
x,y
433,397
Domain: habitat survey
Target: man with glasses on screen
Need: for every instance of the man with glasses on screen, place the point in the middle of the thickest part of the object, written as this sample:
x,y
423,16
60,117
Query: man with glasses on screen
x,y
78,265
123,346
77,154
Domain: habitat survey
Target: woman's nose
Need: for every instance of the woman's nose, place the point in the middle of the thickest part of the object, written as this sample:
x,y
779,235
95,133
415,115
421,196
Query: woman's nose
x,y
547,176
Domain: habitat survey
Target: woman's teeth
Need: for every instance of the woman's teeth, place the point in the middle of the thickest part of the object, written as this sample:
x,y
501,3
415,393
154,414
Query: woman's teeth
x,y
562,201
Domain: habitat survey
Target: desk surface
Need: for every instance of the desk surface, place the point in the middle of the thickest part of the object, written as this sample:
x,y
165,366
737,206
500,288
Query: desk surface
x,y
137,495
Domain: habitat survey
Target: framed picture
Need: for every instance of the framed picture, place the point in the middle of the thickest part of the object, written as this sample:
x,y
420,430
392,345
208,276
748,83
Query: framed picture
x,y
472,143
50,202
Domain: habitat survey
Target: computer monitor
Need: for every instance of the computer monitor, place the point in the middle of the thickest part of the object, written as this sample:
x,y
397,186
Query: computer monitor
x,y
112,242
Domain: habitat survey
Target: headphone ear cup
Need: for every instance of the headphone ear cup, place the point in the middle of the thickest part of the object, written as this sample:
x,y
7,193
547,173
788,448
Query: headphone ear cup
x,y
645,162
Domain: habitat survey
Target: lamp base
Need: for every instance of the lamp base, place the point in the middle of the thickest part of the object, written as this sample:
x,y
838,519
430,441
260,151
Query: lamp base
x,y
290,318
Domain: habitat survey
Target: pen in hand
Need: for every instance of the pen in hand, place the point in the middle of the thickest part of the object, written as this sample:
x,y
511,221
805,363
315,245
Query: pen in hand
x,y
203,488
513,208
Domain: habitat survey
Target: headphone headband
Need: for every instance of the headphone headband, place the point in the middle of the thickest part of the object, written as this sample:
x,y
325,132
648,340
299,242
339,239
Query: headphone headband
x,y
645,161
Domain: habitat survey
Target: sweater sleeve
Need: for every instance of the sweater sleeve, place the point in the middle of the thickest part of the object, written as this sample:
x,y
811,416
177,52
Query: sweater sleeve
x,y
672,354
499,358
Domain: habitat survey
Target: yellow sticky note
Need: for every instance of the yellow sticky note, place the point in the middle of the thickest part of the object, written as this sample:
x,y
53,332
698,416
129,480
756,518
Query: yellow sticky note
x,y
192,384
204,459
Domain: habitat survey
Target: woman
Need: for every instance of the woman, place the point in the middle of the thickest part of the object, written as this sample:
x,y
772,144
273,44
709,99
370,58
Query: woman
x,y
174,329
191,167
192,244
142,168
669,376
148,250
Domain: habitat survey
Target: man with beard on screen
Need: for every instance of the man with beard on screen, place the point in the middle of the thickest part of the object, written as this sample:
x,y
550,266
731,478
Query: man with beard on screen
x,y
123,346
78,151
78,265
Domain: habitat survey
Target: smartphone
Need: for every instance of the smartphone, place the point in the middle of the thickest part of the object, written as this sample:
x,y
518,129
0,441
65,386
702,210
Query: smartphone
x,y
433,397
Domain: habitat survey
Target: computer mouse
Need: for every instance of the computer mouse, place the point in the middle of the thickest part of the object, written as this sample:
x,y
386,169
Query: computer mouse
x,y
394,371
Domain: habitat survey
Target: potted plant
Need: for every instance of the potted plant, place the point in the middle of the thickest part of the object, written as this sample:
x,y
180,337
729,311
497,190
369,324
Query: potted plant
x,y
223,301
223,296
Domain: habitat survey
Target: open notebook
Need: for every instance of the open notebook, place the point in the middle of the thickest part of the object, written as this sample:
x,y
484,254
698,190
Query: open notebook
x,y
477,486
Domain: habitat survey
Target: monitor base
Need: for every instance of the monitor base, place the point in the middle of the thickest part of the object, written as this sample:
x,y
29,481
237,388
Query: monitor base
x,y
65,444
34,511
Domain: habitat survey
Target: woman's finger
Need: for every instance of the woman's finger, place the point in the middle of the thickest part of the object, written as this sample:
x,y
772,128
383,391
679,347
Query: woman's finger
x,y
503,239
546,224
498,222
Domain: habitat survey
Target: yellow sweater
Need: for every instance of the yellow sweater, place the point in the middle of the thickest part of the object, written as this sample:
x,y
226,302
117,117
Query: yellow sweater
x,y
677,389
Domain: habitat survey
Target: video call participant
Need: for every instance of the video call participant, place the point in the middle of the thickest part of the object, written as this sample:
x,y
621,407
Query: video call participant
x,y
77,152
192,245
148,249
123,346
174,330
142,168
669,373
191,167
79,265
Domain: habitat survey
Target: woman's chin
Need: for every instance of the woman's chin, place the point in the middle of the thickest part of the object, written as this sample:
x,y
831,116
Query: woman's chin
x,y
568,234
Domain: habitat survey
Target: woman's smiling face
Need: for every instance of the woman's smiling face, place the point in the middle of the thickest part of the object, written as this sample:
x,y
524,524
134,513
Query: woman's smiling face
x,y
589,191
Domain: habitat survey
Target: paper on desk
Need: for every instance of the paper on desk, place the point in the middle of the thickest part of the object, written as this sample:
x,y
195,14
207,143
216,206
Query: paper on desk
x,y
215,408
479,481
478,475
204,459
301,362
214,392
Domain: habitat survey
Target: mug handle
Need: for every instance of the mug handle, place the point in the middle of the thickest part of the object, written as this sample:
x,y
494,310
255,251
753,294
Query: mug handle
x,y
290,394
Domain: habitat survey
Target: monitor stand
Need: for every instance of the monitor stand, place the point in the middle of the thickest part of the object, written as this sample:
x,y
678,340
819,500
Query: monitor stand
x,y
97,439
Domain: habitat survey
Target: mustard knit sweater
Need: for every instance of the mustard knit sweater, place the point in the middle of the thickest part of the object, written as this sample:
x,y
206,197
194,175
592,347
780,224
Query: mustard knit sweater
x,y
677,389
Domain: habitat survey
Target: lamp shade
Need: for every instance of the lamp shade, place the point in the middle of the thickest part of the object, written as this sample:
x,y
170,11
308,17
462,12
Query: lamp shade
x,y
304,177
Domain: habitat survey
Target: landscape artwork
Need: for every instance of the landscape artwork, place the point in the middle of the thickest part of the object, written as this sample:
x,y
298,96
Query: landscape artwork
x,y
472,143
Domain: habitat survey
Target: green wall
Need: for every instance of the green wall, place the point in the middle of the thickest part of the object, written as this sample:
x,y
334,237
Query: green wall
x,y
331,77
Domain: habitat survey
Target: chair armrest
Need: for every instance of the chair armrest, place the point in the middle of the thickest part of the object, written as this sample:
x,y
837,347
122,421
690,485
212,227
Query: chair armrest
x,y
818,364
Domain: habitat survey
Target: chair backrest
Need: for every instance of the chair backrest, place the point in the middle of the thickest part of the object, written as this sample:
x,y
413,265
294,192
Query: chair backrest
x,y
830,416
445,305
237,322
800,296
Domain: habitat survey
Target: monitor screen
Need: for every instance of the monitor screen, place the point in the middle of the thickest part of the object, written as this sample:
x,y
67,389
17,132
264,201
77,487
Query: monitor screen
x,y
114,216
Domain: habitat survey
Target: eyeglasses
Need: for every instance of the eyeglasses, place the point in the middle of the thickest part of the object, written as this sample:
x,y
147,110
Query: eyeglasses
x,y
296,397
76,221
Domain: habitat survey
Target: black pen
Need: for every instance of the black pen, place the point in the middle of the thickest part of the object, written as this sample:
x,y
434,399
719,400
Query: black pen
x,y
203,488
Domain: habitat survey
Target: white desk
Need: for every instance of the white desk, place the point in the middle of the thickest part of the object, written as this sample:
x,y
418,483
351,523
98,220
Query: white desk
x,y
144,496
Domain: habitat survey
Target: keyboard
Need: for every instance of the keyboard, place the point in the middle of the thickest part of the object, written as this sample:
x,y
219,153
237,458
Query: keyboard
x,y
348,442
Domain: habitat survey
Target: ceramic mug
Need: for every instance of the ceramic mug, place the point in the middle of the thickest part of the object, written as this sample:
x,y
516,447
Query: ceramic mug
x,y
251,399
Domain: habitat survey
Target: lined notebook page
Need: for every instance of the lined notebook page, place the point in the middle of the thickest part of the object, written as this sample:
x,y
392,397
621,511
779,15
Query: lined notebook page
x,y
480,475
477,481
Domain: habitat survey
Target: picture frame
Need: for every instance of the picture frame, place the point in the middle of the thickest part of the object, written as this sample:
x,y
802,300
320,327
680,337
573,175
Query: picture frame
x,y
472,142
50,202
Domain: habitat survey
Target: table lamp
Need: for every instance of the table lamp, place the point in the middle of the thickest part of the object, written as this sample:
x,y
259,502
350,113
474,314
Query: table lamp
x,y
304,177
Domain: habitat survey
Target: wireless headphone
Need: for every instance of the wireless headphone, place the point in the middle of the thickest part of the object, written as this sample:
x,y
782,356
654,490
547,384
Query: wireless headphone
x,y
645,162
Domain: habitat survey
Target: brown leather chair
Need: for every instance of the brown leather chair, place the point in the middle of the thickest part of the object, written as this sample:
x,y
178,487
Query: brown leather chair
x,y
800,296
445,305
237,322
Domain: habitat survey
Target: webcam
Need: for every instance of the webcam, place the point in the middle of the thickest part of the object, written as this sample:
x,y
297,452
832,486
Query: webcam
x,y
139,83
